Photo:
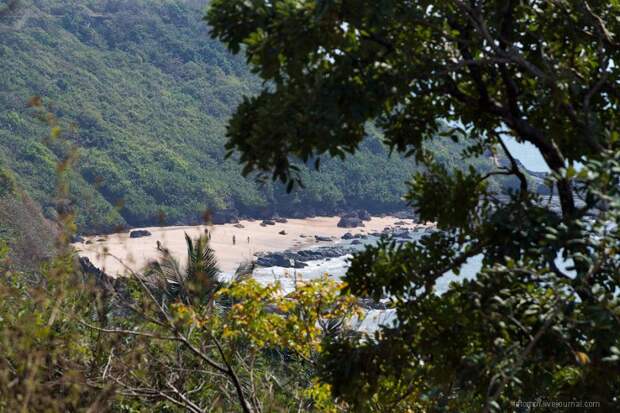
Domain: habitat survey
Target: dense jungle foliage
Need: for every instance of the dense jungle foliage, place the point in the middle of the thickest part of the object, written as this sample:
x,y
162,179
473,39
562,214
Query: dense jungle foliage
x,y
144,95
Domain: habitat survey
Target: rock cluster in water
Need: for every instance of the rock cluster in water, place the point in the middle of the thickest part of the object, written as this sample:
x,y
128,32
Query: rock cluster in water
x,y
298,259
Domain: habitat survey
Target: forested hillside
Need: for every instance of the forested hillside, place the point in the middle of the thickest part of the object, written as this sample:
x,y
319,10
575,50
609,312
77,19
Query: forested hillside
x,y
143,93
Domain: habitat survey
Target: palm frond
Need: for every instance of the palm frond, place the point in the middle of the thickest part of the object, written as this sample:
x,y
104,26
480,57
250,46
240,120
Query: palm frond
x,y
202,270
197,281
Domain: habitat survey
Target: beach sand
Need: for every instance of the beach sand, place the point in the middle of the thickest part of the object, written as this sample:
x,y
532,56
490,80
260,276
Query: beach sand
x,y
116,253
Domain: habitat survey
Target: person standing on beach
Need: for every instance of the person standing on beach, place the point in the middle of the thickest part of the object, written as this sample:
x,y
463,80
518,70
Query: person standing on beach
x,y
234,240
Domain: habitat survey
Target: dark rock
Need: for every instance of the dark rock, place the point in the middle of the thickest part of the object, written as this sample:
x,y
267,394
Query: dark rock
x,y
280,220
356,242
101,240
363,215
283,232
319,238
239,226
268,222
348,235
76,238
139,233
350,222
88,242
400,223
298,259
274,260
279,259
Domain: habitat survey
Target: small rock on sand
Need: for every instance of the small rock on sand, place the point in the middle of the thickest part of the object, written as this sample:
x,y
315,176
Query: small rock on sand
x,y
139,233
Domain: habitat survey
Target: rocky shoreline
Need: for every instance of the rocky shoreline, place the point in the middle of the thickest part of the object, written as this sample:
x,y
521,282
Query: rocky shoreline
x,y
299,258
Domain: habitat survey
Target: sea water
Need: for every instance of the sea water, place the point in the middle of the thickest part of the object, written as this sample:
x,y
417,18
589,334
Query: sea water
x,y
336,268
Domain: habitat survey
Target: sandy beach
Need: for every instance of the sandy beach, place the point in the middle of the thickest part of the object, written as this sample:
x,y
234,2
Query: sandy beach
x,y
116,253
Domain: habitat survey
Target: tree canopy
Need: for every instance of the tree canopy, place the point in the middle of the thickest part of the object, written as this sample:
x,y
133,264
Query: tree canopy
x,y
541,318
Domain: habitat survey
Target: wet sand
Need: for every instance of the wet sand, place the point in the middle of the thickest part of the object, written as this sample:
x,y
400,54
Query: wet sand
x,y
117,253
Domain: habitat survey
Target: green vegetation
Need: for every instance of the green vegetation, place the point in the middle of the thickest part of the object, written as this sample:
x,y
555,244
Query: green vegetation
x,y
144,95
542,317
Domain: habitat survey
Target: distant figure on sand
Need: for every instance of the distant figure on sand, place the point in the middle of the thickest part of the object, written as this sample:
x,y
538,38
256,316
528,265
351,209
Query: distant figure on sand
x,y
234,240
248,240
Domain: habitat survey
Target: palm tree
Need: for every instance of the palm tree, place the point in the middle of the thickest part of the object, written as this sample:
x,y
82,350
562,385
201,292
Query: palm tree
x,y
196,282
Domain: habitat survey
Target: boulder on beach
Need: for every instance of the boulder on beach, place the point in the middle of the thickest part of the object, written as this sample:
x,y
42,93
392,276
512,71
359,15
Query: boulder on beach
x,y
239,226
348,235
268,222
280,220
139,233
350,222
363,215
274,260
283,232
320,238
